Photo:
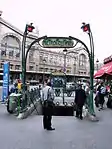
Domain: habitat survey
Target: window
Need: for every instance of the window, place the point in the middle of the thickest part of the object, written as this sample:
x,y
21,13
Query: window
x,y
46,69
68,60
1,65
68,71
36,67
82,61
3,52
17,67
31,68
51,59
11,66
31,56
45,59
11,52
41,69
17,53
41,58
51,70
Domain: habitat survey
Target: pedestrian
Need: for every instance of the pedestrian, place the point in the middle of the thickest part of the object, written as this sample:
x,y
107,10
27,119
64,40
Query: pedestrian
x,y
19,85
48,98
87,91
80,98
102,91
14,89
39,91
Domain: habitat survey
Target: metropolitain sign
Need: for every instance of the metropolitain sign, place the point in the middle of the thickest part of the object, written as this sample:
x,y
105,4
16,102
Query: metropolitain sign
x,y
57,42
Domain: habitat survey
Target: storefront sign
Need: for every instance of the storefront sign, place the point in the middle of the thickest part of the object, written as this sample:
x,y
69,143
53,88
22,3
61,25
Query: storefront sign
x,y
108,59
57,42
5,81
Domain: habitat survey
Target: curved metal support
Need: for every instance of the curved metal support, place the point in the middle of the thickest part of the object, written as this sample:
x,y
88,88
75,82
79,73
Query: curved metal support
x,y
86,48
36,40
25,56
75,44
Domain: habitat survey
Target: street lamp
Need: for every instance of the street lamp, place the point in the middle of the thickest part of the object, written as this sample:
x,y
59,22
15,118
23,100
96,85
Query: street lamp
x,y
97,61
65,52
86,28
28,28
64,70
44,61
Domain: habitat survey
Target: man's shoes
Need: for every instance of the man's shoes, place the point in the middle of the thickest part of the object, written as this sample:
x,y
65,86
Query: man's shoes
x,y
77,116
50,129
81,117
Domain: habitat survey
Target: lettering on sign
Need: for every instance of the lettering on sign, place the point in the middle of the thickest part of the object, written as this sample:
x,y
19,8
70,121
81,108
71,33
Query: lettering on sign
x,y
57,42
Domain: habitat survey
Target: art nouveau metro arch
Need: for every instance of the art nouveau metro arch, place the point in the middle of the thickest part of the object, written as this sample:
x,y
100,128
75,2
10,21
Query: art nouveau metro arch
x,y
63,42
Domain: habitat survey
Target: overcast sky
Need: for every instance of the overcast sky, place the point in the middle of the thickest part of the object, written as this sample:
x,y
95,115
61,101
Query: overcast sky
x,y
64,18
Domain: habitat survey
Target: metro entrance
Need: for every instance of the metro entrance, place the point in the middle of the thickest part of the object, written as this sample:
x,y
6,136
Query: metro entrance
x,y
60,42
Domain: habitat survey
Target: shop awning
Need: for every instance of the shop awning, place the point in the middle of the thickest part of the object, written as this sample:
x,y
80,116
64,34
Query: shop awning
x,y
106,69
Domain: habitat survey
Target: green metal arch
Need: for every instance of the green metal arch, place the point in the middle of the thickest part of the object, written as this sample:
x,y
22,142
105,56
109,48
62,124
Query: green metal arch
x,y
85,47
70,37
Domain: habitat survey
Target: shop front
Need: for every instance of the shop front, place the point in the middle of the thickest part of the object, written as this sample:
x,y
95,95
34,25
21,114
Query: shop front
x,y
106,70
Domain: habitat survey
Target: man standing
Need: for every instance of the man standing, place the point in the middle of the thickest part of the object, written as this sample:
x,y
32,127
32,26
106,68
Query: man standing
x,y
48,97
102,91
80,98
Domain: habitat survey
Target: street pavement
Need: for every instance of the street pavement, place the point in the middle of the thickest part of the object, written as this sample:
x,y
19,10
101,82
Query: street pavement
x,y
70,132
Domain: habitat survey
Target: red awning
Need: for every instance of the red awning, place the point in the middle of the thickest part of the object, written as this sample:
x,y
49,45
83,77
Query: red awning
x,y
106,69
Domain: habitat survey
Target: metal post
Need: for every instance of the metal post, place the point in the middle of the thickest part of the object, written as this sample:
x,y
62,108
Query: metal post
x,y
24,69
65,69
97,61
64,86
44,71
91,104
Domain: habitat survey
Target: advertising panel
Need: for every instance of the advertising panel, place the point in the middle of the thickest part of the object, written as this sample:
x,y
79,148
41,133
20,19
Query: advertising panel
x,y
5,81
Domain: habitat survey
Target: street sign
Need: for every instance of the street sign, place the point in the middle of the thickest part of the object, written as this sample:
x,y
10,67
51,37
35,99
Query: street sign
x,y
5,90
57,42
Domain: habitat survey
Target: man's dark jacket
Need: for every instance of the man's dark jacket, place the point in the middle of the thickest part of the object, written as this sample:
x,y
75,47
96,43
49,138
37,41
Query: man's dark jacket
x,y
80,97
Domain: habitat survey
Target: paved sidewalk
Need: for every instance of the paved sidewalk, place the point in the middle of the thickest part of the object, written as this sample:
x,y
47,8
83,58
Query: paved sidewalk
x,y
70,133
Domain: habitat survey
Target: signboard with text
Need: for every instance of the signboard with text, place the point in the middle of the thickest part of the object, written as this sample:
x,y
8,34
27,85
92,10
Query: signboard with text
x,y
57,42
5,81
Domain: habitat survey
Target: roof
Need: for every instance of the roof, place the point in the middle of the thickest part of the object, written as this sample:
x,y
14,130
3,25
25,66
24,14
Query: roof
x,y
13,28
105,70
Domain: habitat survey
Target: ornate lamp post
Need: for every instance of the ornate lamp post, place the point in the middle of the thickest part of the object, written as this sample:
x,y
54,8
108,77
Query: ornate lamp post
x,y
97,61
86,28
64,86
44,62
28,28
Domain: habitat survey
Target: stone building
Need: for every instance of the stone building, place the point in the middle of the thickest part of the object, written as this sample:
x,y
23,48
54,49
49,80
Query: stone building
x,y
40,60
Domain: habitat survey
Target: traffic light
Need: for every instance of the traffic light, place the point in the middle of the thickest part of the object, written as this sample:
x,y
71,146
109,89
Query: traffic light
x,y
85,27
29,27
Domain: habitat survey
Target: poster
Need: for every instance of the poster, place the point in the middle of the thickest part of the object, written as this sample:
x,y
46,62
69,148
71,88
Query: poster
x,y
5,89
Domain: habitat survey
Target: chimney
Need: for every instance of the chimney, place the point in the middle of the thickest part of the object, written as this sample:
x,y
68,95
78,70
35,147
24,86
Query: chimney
x,y
0,13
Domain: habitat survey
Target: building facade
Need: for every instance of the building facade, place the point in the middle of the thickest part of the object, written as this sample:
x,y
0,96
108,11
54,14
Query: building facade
x,y
40,60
